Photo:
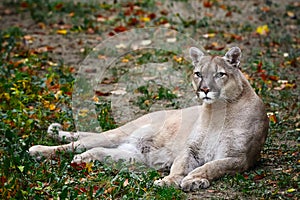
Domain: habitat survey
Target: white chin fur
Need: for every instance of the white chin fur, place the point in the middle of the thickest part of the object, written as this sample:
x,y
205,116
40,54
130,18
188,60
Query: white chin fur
x,y
208,101
209,98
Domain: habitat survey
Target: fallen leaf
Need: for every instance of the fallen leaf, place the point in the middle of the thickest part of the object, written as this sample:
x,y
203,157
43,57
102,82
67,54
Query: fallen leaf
x,y
152,16
164,12
62,31
215,46
29,38
209,35
80,190
262,30
124,60
228,14
78,166
88,166
59,6
258,177
41,25
265,9
285,85
119,29
291,14
58,94
90,31
273,78
126,182
145,19
207,3
177,59
133,22
101,94
291,190
272,117
83,112
109,190
52,106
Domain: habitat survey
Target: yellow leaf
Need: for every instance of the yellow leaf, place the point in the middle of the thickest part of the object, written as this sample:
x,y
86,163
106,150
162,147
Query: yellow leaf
x,y
52,106
89,166
177,59
145,19
46,104
95,99
25,136
209,35
147,102
291,190
62,31
125,60
83,112
262,30
7,96
58,94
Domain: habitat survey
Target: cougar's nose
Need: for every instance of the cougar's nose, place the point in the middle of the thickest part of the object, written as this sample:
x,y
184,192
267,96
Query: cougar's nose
x,y
204,89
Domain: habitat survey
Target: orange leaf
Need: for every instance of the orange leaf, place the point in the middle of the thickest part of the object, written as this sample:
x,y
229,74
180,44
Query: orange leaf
x,y
272,117
207,3
52,106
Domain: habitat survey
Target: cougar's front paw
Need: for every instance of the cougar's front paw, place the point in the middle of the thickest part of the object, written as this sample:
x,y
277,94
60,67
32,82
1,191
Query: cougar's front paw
x,y
82,158
168,181
40,150
54,127
193,184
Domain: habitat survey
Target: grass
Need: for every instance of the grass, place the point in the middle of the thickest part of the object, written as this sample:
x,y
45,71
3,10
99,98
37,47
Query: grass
x,y
35,90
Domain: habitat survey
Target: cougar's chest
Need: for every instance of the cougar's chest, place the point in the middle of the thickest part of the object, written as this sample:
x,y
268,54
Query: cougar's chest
x,y
208,134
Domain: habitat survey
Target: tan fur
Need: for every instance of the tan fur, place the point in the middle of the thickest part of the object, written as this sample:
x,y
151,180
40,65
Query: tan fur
x,y
201,143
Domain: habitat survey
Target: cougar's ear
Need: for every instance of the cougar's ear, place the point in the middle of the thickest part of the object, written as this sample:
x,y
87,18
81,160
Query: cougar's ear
x,y
195,54
233,56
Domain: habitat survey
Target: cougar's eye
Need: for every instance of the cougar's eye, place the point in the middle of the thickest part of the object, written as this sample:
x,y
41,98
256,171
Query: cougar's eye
x,y
198,74
220,74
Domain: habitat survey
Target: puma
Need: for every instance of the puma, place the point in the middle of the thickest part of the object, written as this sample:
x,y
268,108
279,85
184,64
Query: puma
x,y
222,136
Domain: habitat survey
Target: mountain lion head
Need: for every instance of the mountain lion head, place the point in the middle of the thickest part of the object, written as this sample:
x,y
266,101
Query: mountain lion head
x,y
217,78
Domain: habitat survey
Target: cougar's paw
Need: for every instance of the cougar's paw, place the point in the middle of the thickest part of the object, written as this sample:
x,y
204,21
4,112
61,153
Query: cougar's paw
x,y
82,158
40,150
53,127
168,181
194,184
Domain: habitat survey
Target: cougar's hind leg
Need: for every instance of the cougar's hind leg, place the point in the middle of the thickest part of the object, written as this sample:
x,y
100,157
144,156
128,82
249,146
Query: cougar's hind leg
x,y
126,152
